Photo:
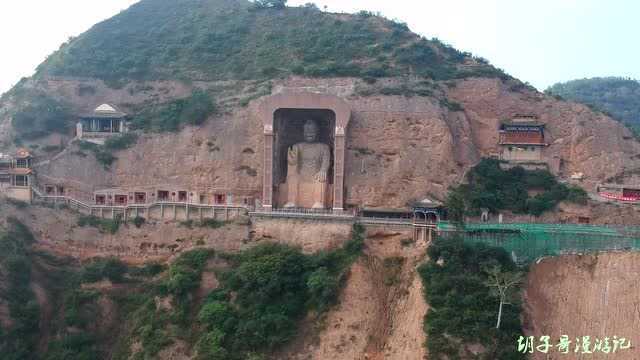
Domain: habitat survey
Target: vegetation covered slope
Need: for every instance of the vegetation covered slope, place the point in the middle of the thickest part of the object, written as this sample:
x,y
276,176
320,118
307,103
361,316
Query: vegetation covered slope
x,y
233,39
619,97
463,308
491,187
105,309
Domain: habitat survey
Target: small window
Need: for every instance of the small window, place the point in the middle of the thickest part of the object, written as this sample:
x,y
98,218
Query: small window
x,y
182,196
22,180
120,199
163,195
22,163
141,198
100,200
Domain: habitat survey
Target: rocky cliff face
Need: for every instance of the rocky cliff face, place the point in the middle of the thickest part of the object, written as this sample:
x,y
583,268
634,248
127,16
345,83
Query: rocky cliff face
x,y
584,295
585,141
398,147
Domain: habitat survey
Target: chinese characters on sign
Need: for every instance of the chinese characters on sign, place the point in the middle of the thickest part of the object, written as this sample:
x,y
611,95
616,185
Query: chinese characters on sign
x,y
566,345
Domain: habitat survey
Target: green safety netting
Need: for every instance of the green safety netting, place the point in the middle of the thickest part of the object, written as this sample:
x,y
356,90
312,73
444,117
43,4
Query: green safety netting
x,y
529,241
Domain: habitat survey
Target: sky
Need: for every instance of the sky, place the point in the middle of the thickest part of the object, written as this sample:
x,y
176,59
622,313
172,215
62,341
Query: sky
x,y
541,42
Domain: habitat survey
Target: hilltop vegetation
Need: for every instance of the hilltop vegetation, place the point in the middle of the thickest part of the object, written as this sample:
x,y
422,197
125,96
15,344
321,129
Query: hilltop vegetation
x,y
214,40
618,97
233,39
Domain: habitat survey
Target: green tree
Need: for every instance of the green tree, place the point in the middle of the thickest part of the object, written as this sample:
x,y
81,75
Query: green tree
x,y
273,4
456,207
504,285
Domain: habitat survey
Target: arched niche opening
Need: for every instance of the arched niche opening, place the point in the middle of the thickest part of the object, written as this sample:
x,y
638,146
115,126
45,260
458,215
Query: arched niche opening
x,y
284,116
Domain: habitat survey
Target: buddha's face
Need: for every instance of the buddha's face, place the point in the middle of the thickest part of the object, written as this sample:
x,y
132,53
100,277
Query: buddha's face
x,y
310,131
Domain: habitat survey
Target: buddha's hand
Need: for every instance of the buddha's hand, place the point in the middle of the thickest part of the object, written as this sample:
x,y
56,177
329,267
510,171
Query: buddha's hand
x,y
321,176
292,156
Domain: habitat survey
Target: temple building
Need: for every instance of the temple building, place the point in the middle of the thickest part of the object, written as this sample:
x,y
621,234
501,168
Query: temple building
x,y
104,122
16,175
522,142
171,194
617,192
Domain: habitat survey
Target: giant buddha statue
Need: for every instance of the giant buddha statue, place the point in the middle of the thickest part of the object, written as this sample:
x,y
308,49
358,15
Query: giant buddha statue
x,y
307,171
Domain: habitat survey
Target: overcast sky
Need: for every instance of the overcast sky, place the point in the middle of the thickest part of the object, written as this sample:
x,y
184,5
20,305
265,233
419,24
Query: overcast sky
x,y
542,41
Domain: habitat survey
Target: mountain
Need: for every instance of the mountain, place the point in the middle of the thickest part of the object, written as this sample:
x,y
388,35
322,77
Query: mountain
x,y
193,76
619,97
234,39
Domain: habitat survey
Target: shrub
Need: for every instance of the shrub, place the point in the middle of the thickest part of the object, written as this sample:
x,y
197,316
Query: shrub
x,y
148,270
139,221
120,142
105,225
184,273
109,268
210,223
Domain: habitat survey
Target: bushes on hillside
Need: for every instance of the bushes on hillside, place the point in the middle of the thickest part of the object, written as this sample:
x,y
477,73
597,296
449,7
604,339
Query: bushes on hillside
x,y
265,293
40,115
104,153
105,225
104,268
18,341
224,41
462,307
171,116
121,142
491,187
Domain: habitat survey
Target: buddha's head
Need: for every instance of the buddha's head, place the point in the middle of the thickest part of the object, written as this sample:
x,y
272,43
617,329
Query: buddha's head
x,y
310,131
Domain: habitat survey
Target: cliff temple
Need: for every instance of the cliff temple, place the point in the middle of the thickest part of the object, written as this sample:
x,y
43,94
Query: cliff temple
x,y
304,151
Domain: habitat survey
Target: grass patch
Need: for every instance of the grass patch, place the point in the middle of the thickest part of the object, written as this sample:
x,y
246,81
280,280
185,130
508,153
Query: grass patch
x,y
110,226
392,270
208,223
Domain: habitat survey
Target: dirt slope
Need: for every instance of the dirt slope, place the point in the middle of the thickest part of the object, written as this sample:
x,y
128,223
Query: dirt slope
x,y
590,295
380,310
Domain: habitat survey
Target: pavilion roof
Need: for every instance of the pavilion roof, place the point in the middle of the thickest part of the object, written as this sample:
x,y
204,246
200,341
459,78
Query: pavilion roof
x,y
107,111
23,154
522,138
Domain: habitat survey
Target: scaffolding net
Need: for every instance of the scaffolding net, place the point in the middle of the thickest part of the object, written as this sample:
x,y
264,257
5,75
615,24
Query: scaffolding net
x,y
529,241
